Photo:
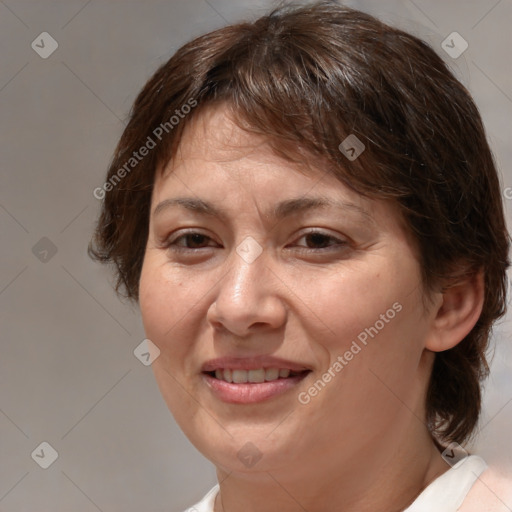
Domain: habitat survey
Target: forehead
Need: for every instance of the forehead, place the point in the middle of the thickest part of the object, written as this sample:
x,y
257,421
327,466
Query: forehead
x,y
214,152
213,141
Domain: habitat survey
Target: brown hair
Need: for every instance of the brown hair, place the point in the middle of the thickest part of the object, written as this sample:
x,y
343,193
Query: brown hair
x,y
307,77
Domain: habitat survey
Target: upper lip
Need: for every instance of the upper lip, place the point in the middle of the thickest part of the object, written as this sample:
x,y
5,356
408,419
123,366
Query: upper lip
x,y
251,363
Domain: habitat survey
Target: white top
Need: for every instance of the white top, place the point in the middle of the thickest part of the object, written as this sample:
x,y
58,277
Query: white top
x,y
445,494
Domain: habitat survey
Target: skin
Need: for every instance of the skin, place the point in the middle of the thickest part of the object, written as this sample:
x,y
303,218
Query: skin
x,y
361,441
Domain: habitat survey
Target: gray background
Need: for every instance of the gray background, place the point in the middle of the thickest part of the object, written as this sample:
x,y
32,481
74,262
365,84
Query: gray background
x,y
68,375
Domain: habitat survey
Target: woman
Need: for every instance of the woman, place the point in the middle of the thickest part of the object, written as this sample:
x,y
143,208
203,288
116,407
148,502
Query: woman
x,y
308,213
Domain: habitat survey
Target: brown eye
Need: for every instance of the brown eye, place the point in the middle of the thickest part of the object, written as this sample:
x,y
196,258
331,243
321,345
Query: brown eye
x,y
191,240
317,240
194,239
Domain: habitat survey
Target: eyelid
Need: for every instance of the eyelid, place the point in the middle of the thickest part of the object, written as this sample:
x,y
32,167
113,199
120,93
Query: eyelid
x,y
320,231
335,242
339,241
173,238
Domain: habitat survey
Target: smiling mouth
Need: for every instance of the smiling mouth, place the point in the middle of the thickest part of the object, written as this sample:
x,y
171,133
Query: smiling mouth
x,y
257,376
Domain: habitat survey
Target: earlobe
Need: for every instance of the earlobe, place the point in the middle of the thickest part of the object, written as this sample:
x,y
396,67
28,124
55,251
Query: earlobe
x,y
458,313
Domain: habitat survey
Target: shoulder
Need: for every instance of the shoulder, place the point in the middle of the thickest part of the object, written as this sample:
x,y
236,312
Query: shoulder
x,y
491,492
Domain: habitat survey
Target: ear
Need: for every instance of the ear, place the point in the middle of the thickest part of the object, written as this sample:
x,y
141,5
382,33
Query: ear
x,y
458,312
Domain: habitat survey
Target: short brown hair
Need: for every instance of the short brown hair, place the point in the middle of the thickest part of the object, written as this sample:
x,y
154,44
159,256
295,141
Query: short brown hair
x,y
307,77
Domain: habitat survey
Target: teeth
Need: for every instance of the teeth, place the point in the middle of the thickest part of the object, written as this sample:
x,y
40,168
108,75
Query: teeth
x,y
239,376
256,376
272,374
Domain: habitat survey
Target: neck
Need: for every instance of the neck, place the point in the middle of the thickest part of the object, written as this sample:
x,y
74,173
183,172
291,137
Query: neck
x,y
389,479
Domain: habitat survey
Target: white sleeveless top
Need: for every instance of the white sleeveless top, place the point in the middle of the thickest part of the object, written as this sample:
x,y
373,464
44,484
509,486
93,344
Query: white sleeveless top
x,y
445,494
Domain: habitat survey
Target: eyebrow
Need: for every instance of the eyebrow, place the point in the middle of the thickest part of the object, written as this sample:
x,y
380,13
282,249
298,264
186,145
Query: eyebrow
x,y
280,211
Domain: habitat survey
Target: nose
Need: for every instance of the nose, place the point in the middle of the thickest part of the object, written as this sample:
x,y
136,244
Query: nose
x,y
248,298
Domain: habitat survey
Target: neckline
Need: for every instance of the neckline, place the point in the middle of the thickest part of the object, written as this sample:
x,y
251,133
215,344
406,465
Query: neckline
x,y
444,494
447,492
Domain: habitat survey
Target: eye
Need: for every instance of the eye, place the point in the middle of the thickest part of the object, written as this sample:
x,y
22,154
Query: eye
x,y
191,240
320,240
194,241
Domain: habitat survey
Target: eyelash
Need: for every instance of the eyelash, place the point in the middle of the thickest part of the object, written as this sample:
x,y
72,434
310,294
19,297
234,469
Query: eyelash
x,y
171,243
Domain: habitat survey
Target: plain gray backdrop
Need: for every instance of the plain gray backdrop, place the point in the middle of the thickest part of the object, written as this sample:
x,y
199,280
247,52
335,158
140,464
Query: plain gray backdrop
x,y
68,373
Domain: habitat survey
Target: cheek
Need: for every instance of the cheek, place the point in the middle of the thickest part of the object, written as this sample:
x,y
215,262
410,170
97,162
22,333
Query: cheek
x,y
374,321
151,306
381,360
163,308
355,304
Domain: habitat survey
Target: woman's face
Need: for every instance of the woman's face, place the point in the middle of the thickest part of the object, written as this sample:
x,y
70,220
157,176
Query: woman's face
x,y
260,267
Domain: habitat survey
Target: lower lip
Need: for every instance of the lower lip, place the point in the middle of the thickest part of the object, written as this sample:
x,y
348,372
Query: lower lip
x,y
248,393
